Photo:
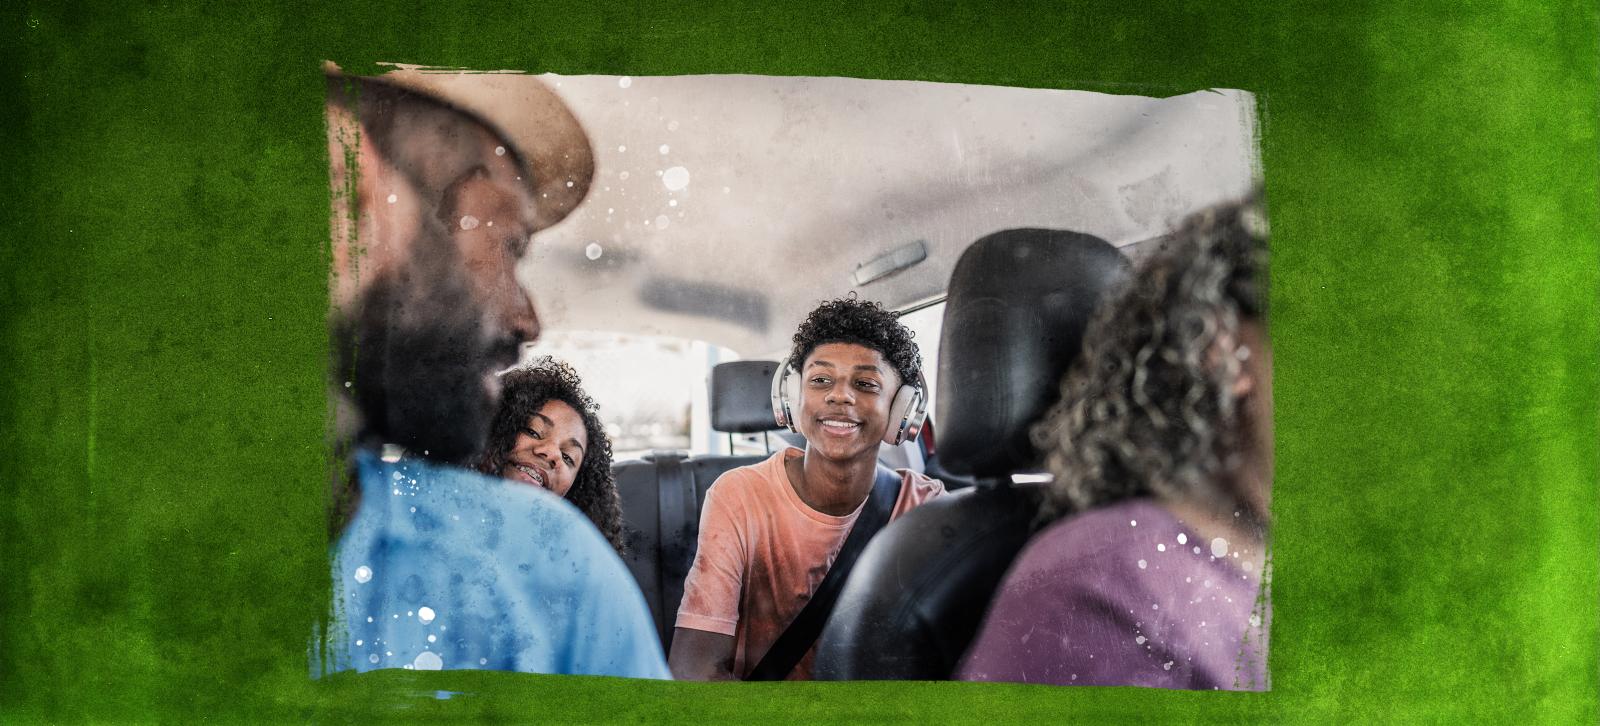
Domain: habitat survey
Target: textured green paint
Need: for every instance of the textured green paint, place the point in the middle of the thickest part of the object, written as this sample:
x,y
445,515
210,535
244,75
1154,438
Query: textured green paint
x,y
1432,178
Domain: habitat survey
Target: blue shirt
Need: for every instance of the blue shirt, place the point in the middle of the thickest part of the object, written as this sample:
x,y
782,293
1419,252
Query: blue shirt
x,y
445,568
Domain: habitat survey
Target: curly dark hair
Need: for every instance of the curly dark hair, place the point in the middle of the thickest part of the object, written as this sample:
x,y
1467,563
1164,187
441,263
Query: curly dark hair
x,y
860,322
1150,411
528,388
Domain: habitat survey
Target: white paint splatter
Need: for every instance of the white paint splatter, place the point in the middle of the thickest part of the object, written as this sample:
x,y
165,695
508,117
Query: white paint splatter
x,y
593,251
1139,640
469,222
499,151
1161,548
1133,523
428,661
1183,538
372,658
624,82
1219,547
664,148
425,614
364,574
394,198
1142,564
675,179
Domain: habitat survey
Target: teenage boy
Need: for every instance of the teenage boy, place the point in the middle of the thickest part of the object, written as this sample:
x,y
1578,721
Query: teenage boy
x,y
770,531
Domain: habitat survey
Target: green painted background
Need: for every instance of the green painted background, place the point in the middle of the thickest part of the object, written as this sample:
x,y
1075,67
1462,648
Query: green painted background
x,y
1432,179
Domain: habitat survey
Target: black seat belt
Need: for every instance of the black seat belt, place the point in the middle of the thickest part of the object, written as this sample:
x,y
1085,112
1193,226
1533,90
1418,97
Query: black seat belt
x,y
678,521
802,632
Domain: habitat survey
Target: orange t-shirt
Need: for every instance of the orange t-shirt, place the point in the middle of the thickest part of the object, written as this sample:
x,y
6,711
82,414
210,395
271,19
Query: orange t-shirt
x,y
763,552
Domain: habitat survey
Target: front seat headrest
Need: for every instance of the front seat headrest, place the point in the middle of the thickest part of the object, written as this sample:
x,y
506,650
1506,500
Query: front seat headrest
x,y
741,397
1014,318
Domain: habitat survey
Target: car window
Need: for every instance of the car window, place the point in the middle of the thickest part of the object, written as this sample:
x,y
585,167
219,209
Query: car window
x,y
651,389
925,324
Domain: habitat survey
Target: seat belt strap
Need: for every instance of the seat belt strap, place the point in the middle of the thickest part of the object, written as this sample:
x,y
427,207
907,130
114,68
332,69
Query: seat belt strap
x,y
678,521
803,631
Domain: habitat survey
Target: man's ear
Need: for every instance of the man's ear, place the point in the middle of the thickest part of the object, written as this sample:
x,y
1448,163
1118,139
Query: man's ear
x,y
374,207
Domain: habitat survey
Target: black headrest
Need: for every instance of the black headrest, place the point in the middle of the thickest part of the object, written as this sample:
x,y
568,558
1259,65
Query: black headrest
x,y
741,396
1013,323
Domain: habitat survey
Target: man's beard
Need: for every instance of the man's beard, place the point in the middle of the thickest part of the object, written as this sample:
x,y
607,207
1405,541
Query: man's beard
x,y
416,353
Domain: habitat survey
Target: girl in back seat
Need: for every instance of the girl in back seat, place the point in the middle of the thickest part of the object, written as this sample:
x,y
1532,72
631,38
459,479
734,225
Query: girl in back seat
x,y
547,433
1162,449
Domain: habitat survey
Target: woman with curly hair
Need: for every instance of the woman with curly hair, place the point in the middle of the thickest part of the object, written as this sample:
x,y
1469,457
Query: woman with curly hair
x,y
1161,452
769,531
547,433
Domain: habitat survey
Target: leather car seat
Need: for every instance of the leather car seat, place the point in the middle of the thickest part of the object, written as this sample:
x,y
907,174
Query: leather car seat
x,y
662,493
1018,303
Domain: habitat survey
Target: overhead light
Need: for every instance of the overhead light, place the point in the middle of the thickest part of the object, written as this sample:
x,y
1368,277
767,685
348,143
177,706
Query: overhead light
x,y
896,260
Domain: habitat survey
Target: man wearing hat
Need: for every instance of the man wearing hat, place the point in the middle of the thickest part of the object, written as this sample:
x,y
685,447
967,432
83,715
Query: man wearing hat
x,y
439,182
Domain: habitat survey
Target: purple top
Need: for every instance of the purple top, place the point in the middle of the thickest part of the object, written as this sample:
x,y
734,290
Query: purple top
x,y
1125,596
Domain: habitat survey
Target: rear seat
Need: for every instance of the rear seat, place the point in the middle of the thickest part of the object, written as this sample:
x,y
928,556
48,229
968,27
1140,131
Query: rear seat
x,y
662,494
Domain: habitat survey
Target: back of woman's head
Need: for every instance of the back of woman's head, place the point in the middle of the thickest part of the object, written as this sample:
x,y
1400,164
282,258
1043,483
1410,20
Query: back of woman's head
x,y
1152,410
525,390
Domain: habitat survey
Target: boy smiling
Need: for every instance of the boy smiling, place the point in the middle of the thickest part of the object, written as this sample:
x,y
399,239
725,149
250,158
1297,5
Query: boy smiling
x,y
770,531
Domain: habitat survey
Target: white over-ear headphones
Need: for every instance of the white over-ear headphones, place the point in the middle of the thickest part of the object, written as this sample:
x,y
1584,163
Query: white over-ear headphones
x,y
906,412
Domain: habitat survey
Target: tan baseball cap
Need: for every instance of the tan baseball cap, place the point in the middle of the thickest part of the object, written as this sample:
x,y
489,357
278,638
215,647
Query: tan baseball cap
x,y
527,113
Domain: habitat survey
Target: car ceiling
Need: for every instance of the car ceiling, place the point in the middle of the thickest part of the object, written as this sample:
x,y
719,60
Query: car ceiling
x,y
773,190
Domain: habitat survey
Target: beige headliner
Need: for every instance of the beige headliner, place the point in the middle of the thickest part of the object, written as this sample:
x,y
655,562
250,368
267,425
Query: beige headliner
x,y
793,182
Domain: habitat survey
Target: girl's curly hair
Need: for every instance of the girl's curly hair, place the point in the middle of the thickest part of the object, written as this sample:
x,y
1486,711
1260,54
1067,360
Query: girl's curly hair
x,y
528,388
861,322
1149,411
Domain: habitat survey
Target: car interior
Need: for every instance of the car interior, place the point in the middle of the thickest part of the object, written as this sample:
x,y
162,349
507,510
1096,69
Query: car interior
x,y
725,228
1018,305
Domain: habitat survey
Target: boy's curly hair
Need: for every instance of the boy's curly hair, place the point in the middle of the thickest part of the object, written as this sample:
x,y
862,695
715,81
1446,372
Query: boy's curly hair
x,y
860,322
